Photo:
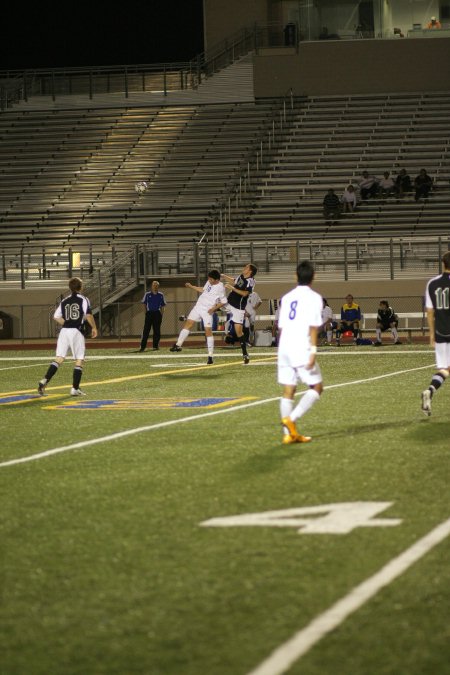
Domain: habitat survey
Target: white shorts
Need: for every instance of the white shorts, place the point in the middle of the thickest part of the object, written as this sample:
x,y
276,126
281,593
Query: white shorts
x,y
197,314
237,315
442,353
291,375
71,338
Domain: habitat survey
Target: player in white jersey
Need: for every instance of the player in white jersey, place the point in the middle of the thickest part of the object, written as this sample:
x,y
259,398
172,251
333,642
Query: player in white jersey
x,y
299,324
71,315
328,322
212,297
254,301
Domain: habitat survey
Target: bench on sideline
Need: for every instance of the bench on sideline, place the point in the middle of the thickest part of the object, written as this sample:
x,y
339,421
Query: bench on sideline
x,y
408,322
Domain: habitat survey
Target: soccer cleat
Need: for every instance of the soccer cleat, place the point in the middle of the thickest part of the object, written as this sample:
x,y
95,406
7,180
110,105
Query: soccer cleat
x,y
246,359
209,361
293,434
290,426
41,389
288,439
76,392
377,344
398,342
175,348
426,402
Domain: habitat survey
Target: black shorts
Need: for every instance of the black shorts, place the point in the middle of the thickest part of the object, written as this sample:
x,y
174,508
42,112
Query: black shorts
x,y
352,325
387,326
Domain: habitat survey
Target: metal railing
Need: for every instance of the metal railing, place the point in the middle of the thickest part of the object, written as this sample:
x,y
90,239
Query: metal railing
x,y
247,39
228,207
93,81
111,273
18,85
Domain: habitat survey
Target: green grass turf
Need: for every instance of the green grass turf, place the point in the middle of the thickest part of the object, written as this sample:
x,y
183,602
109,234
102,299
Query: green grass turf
x,y
105,568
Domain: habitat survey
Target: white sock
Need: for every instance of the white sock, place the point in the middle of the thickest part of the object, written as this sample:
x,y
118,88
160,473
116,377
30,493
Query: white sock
x,y
378,335
394,334
210,345
286,405
329,335
182,336
306,402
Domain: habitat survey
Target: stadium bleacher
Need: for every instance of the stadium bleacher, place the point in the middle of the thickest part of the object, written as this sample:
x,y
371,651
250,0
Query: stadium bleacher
x,y
68,176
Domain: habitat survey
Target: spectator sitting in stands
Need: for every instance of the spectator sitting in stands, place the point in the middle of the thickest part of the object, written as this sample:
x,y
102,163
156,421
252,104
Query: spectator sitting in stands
x,y
434,23
350,318
331,206
368,185
387,185
403,183
348,199
423,184
386,320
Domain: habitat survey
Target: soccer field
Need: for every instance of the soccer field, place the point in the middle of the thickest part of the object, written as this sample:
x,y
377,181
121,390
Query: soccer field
x,y
126,541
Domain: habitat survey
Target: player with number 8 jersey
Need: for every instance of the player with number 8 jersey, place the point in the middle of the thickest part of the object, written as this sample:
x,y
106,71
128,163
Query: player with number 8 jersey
x,y
299,323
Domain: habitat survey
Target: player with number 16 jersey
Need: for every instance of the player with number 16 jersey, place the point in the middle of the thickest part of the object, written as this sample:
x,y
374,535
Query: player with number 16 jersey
x,y
71,315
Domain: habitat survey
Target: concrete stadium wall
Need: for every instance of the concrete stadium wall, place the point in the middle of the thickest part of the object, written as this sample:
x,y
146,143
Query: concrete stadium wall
x,y
224,18
340,67
180,300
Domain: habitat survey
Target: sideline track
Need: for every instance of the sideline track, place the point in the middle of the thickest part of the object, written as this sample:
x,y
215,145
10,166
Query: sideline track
x,y
183,420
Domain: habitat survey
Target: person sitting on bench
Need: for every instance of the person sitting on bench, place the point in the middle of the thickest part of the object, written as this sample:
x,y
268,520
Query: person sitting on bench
x,y
350,320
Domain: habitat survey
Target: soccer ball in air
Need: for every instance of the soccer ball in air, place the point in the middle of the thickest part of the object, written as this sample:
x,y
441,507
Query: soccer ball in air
x,y
141,187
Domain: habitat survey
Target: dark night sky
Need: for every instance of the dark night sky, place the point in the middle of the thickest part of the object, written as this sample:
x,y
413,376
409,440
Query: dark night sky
x,y
98,34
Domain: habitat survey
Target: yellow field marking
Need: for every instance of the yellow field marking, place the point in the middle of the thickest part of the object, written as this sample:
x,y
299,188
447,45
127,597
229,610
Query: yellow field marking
x,y
145,404
129,378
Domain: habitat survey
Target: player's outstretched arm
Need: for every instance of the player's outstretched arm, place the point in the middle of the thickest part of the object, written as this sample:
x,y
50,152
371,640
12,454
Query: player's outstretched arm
x,y
194,288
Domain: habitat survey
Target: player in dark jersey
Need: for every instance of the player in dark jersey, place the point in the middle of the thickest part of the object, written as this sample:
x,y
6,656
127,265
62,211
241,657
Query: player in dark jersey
x,y
387,319
437,303
71,315
240,287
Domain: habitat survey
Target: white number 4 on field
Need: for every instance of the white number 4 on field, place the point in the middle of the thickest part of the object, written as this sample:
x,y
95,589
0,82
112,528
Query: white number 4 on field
x,y
323,519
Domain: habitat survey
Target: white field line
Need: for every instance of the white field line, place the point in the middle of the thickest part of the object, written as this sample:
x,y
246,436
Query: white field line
x,y
343,351
191,418
299,644
33,365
